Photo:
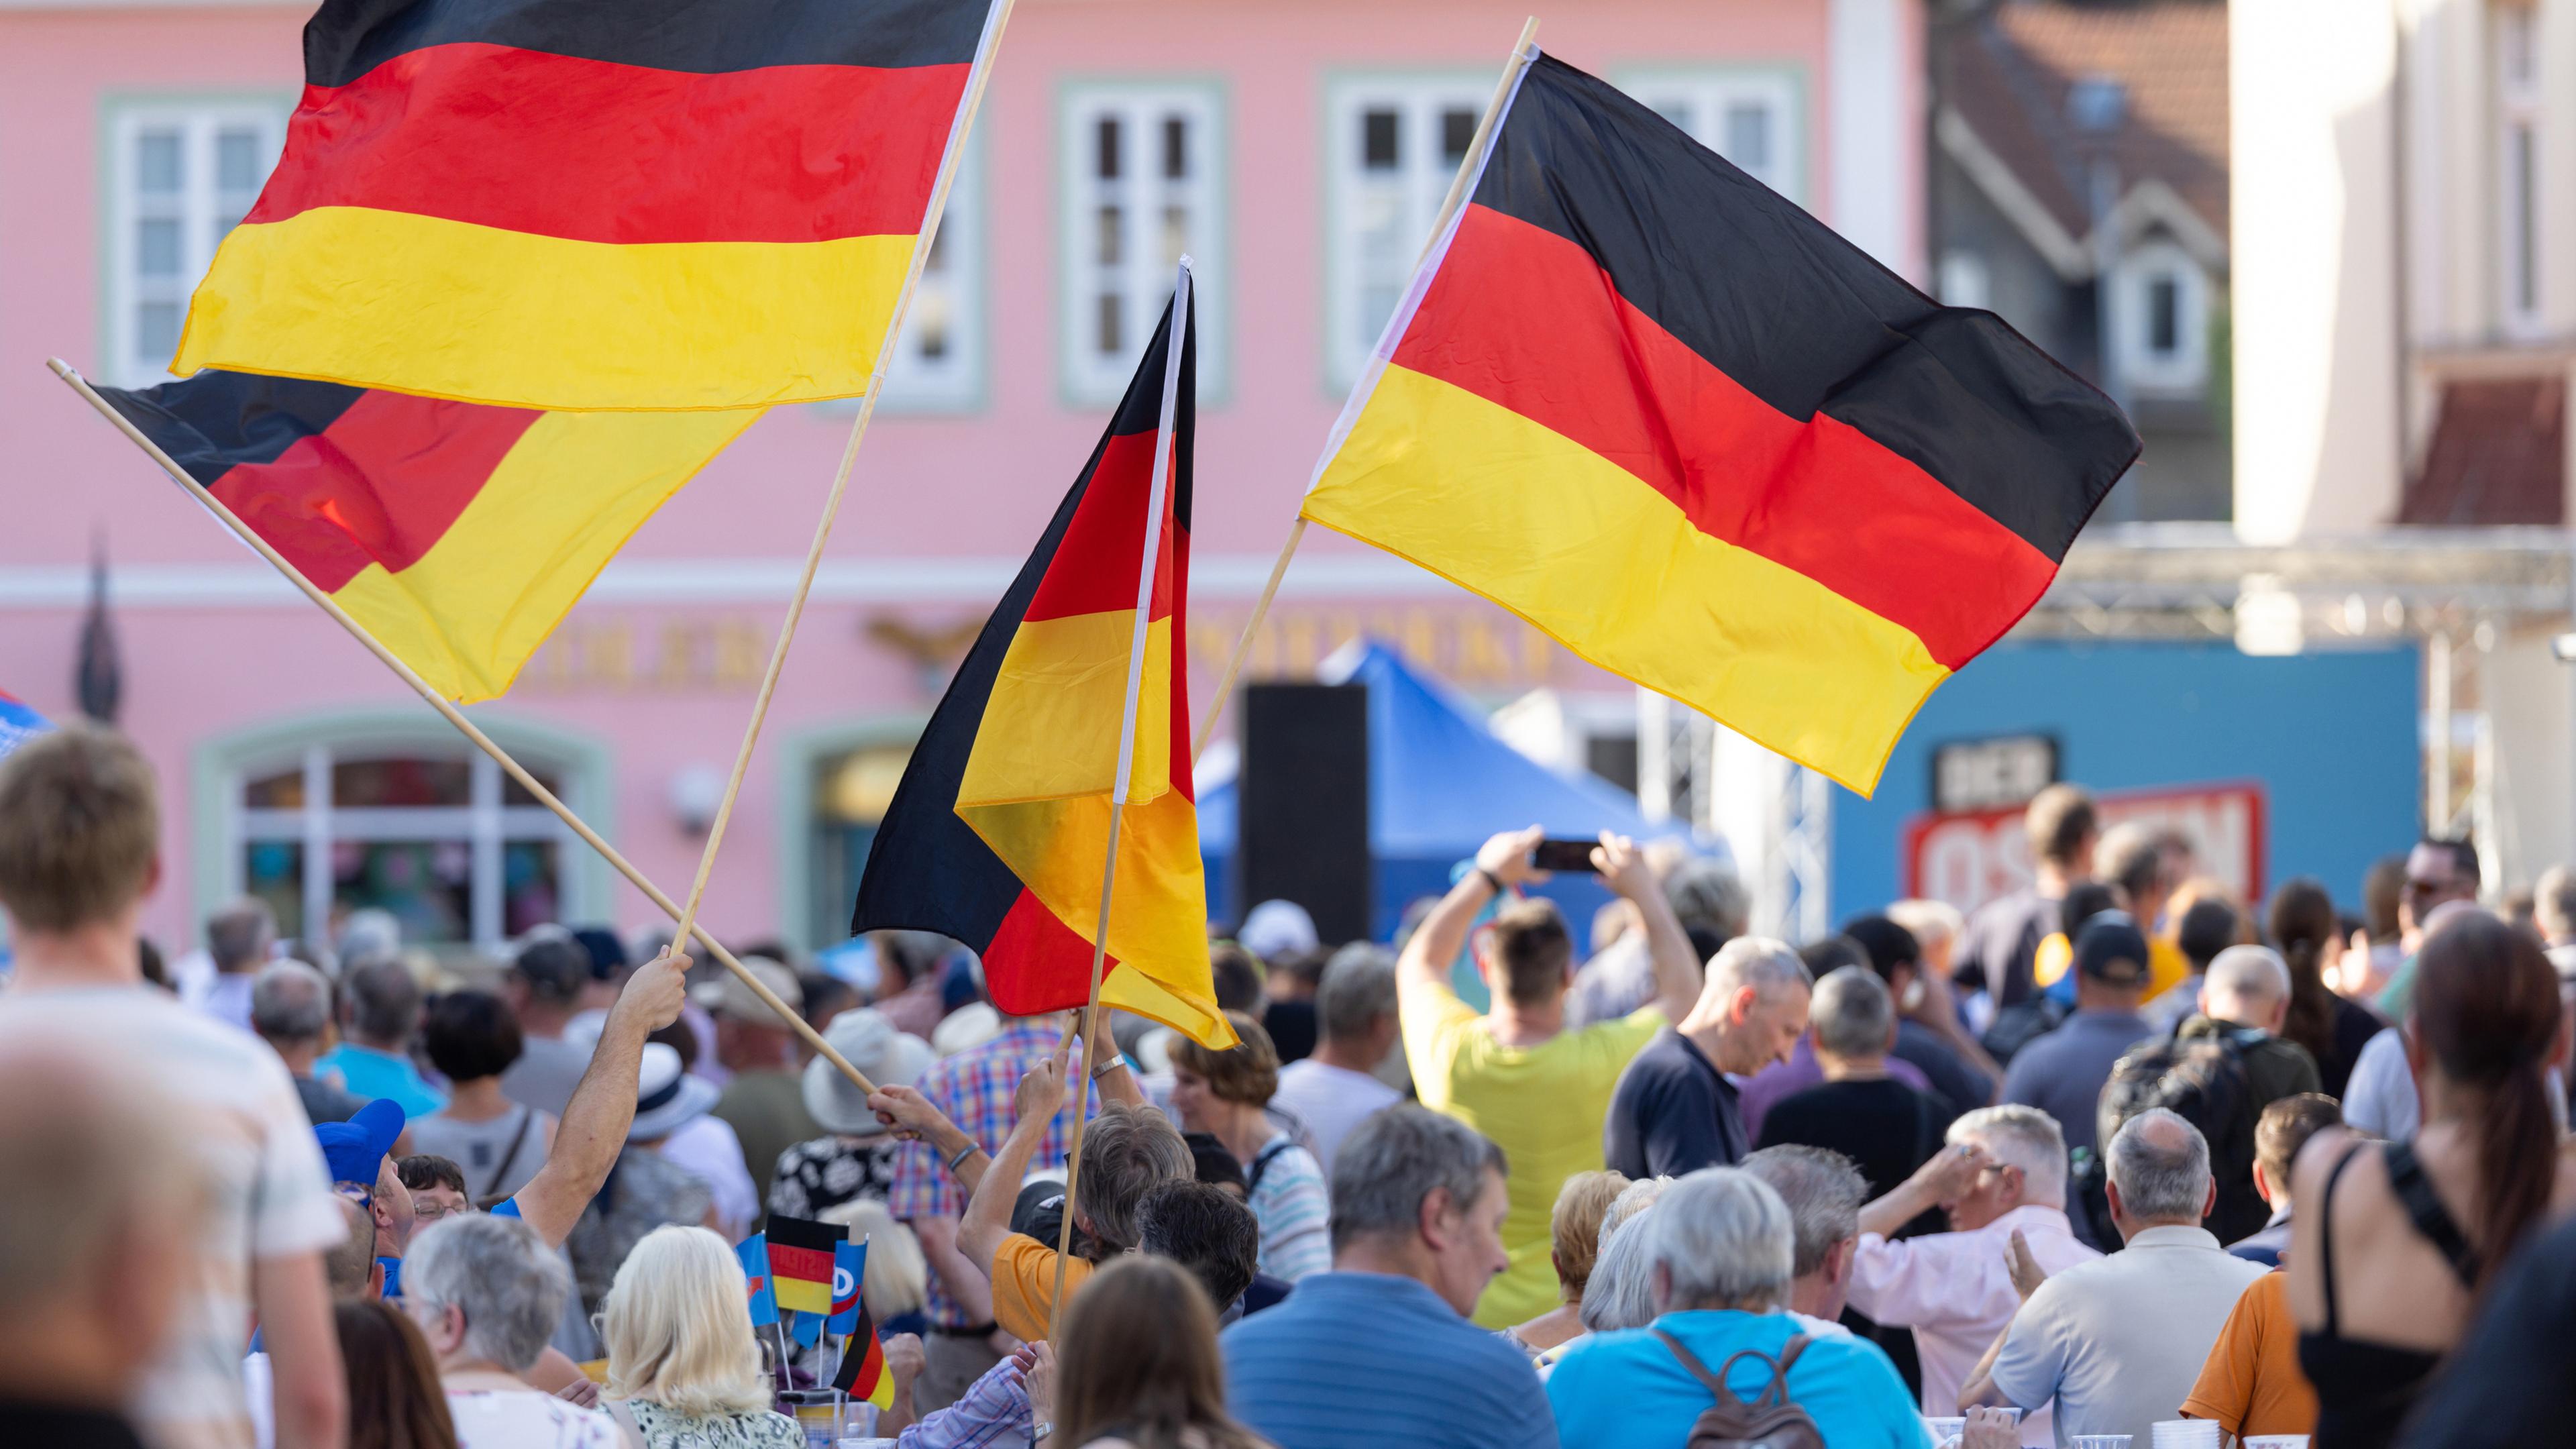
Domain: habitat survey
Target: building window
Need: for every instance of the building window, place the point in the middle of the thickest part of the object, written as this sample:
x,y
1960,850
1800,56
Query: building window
x,y
1392,148
2518,174
938,361
1750,117
179,177
457,851
2160,319
1143,187
851,791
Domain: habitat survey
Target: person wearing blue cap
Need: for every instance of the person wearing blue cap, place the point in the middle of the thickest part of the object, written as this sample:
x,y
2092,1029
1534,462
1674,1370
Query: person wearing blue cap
x,y
357,1153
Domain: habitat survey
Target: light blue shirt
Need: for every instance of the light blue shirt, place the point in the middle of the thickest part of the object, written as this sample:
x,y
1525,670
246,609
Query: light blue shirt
x,y
1626,1388
1370,1358
367,1072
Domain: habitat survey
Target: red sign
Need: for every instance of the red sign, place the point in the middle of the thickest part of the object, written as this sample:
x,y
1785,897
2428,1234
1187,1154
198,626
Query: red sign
x,y
1974,856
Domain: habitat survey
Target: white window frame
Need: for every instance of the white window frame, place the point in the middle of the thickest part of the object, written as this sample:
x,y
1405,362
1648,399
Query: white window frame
x,y
2186,368
485,825
952,284
1141,277
1356,195
197,207
2520,169
1699,99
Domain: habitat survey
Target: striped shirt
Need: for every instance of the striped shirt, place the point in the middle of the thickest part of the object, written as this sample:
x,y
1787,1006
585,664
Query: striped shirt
x,y
976,1089
1291,1204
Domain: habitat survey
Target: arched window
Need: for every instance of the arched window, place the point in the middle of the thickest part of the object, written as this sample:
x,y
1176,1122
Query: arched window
x,y
410,821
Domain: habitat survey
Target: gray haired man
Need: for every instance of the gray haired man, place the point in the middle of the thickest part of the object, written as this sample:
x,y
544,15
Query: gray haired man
x,y
487,1292
2119,1342
1336,1086
1823,1191
1674,1110
1724,1248
290,1009
1379,1350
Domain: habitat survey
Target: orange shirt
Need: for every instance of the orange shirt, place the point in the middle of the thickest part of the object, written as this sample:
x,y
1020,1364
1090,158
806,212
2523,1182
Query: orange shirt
x,y
1024,1286
2252,1383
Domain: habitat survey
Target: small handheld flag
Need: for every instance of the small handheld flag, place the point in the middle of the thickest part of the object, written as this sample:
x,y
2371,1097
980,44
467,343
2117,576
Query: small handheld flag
x,y
800,1262
754,1253
849,1276
18,724
862,1374
808,1330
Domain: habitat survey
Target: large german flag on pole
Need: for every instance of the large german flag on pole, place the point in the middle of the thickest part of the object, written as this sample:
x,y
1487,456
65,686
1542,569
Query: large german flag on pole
x,y
1680,425
651,204
455,533
999,831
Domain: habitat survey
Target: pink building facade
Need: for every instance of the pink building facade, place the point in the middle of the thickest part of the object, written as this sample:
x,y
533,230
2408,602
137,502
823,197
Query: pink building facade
x,y
1297,150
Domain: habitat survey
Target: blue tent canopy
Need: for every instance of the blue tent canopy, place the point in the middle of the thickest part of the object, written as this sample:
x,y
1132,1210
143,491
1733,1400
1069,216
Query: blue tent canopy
x,y
1440,784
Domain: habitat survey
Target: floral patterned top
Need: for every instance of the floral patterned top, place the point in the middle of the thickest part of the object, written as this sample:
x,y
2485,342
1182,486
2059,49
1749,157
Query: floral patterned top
x,y
666,1430
829,1171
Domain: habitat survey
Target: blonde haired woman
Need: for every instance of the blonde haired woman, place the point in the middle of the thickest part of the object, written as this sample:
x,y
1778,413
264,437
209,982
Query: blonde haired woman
x,y
681,1359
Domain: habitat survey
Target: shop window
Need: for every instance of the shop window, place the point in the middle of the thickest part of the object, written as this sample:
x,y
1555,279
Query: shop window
x,y
441,839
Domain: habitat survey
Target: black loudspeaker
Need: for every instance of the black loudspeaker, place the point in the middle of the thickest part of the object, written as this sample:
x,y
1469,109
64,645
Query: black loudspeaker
x,y
1303,805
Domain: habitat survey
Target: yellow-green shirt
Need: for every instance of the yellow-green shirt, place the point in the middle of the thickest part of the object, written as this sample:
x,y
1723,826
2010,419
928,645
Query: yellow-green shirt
x,y
1543,1105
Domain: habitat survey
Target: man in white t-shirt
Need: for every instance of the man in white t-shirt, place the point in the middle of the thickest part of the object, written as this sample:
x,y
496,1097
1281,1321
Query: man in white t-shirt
x,y
79,851
1331,1090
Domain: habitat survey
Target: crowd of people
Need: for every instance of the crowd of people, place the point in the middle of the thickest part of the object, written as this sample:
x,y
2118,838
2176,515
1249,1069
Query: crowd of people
x,y
2112,1152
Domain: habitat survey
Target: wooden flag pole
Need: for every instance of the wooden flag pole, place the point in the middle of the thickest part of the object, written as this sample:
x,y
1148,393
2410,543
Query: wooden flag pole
x,y
456,717
1174,344
995,21
1468,165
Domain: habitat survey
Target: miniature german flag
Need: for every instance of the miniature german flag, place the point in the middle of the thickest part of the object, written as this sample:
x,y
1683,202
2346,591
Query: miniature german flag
x,y
457,534
862,1374
800,1263
1674,421
997,835
657,204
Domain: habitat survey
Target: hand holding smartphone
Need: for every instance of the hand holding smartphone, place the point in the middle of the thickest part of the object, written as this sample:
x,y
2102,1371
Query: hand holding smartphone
x,y
1553,854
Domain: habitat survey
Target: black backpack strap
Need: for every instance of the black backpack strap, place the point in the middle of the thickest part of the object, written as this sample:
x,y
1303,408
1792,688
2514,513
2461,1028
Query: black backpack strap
x,y
1261,1165
1690,1361
2424,1207
509,1159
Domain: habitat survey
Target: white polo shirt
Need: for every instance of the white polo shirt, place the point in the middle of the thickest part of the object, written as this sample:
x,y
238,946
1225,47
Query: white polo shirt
x,y
2118,1342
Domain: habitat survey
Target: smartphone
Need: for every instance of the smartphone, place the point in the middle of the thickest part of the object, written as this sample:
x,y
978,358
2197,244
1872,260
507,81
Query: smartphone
x,y
1565,855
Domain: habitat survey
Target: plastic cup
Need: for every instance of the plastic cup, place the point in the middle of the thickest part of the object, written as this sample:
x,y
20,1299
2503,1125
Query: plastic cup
x,y
2100,1441
2185,1434
1945,1430
2276,1441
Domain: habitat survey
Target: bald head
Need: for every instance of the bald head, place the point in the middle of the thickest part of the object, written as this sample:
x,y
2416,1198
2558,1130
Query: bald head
x,y
2247,985
2159,1172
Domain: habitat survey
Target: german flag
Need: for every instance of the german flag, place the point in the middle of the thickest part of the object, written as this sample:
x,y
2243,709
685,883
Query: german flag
x,y
800,1263
457,534
998,832
656,204
1674,421
862,1373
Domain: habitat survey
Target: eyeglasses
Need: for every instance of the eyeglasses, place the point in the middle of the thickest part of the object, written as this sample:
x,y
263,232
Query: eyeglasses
x,y
430,1209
